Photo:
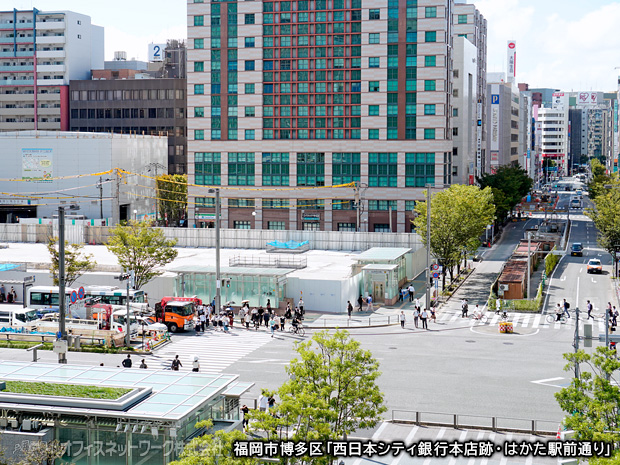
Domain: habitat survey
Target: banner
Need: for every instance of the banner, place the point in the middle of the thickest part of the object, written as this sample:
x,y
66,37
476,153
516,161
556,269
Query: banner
x,y
37,165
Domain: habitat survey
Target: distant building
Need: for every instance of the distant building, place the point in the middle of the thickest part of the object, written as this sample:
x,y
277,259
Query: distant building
x,y
503,102
554,143
67,47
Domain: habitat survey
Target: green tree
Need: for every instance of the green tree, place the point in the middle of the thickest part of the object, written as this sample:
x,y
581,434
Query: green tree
x,y
172,195
76,262
596,167
513,182
459,216
331,392
42,453
606,218
141,248
592,401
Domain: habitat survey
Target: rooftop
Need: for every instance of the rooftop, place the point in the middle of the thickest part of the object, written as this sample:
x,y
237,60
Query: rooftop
x,y
382,253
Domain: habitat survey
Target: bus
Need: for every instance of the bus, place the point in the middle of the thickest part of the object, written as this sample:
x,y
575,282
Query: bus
x,y
113,295
44,296
177,313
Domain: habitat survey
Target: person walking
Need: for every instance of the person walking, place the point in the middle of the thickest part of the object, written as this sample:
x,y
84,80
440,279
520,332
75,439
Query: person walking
x,y
246,318
433,316
143,364
464,308
266,318
360,303
566,306
176,363
349,308
301,306
411,290
401,294
127,362
282,321
589,308
369,301
245,410
417,304
272,325
203,321
402,319
196,364
614,316
424,317
416,315
263,401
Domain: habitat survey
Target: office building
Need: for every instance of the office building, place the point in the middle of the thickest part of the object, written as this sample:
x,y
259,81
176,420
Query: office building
x,y
287,97
40,53
554,145
503,121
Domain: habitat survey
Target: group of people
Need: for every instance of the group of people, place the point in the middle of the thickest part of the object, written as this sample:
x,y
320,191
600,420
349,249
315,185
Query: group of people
x,y
420,316
361,301
174,366
9,297
406,292
207,316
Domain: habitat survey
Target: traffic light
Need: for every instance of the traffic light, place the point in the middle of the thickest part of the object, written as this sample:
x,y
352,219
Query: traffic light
x,y
228,283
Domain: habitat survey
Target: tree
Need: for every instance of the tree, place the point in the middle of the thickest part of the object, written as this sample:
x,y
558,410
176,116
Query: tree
x,y
172,195
141,248
596,167
459,216
513,182
42,453
592,401
76,262
331,392
606,218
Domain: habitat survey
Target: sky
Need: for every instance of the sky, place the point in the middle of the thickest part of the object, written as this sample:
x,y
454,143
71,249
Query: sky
x,y
571,45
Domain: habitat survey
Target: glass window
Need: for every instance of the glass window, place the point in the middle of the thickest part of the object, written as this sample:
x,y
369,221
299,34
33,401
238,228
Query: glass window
x,y
455,112
345,169
199,89
373,62
350,227
249,134
373,110
430,12
249,112
382,169
199,112
276,225
275,169
249,88
241,169
199,43
373,133
429,109
430,61
249,18
249,42
374,38
430,36
381,205
275,204
429,85
207,168
242,225
374,14
310,204
429,133
311,167
199,66
199,20
462,19
249,65
373,86
419,170
199,134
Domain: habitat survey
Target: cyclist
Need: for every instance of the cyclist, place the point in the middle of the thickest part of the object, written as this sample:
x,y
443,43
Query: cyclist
x,y
295,323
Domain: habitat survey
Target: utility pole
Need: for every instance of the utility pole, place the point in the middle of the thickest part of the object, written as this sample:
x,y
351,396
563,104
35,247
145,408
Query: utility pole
x,y
356,190
529,262
116,200
428,246
576,344
100,187
62,356
218,280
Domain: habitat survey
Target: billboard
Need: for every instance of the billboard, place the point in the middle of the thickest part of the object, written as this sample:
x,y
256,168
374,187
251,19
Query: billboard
x,y
37,165
495,117
512,61
156,52
587,98
479,139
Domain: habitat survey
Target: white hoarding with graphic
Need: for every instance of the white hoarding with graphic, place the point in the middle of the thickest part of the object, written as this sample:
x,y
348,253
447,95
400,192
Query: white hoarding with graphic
x,y
512,61
37,164
156,52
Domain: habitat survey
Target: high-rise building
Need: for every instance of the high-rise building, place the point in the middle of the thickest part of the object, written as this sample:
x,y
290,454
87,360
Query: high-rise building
x,y
554,145
288,96
503,103
40,52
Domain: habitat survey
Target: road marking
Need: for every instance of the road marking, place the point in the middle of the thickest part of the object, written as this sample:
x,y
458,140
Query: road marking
x,y
563,278
479,438
546,382
408,440
377,434
440,434
461,440
526,320
580,269
593,281
485,460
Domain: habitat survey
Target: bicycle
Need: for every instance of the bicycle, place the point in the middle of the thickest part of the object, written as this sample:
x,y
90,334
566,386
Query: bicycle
x,y
553,318
479,316
297,330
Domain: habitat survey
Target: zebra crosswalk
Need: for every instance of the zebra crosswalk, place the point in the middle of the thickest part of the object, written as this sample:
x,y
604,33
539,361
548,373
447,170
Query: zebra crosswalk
x,y
215,350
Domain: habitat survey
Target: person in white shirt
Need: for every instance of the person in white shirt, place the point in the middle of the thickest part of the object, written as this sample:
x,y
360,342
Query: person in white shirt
x,y
411,290
196,364
418,304
262,402
416,315
402,319
424,317
301,306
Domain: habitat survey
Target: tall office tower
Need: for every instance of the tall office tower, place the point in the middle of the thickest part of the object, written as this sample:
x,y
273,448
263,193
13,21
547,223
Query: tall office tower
x,y
40,52
469,93
288,96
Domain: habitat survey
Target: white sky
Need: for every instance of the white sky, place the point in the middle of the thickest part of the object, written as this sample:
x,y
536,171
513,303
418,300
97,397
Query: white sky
x,y
564,44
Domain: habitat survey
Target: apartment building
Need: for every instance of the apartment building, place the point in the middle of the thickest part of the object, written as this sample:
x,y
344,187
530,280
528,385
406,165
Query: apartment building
x,y
287,98
554,139
40,52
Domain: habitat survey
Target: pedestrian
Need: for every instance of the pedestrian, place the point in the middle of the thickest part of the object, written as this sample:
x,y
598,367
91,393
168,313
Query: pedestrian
x,y
349,308
263,401
566,306
245,410
464,308
143,364
196,364
261,311
266,318
411,292
203,321
271,403
246,318
416,315
401,294
289,313
589,308
417,304
224,322
360,302
272,325
127,362
614,316
176,363
269,305
402,319
301,306
369,301
433,316
498,305
424,317
282,321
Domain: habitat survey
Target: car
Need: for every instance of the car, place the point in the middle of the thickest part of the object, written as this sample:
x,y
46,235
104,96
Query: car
x,y
576,249
575,203
594,266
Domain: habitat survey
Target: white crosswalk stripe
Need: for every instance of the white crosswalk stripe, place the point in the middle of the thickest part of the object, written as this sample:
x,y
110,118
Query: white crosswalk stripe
x,y
216,350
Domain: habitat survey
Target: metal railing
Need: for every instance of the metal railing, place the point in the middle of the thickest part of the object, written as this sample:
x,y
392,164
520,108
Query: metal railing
x,y
354,322
465,421
270,261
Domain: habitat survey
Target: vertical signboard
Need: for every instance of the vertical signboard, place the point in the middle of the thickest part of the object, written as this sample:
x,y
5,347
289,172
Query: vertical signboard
x,y
494,124
479,139
37,165
512,61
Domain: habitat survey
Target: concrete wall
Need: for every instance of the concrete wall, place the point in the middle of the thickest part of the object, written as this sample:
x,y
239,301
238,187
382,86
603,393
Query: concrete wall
x,y
13,443
325,296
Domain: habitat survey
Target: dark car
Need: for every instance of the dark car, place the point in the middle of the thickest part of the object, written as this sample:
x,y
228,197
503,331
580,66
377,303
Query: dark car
x,y
576,249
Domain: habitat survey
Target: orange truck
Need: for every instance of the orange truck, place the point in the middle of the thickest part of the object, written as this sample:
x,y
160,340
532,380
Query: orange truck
x,y
177,313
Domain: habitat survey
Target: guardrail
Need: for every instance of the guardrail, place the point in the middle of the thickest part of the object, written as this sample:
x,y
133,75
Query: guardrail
x,y
464,421
354,322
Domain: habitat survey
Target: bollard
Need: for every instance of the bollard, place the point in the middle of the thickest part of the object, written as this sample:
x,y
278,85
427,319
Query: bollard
x,y
417,417
533,426
456,421
494,423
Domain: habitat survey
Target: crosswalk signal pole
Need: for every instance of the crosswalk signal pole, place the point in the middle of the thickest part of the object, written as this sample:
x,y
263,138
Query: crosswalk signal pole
x,y
428,246
576,344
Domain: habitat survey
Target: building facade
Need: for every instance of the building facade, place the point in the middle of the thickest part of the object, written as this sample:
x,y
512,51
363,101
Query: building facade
x,y
503,122
288,98
40,53
554,145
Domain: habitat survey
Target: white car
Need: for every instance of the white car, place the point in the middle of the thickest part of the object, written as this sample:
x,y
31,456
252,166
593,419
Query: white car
x,y
149,324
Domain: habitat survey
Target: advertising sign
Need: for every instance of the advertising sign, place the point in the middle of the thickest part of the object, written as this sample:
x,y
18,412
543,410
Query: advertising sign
x,y
37,165
495,118
479,139
156,52
512,61
587,98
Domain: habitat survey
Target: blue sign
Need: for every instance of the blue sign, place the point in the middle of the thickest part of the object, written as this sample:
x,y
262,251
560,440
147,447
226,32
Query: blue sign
x,y
494,99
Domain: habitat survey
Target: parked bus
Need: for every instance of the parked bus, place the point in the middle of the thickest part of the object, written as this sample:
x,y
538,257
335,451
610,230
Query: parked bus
x,y
113,295
177,313
44,296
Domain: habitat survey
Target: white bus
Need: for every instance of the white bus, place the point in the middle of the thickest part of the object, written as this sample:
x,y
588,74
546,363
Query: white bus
x,y
113,295
44,296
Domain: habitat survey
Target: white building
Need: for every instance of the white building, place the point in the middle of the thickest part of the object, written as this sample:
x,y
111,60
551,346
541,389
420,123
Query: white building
x,y
44,169
66,46
503,102
554,137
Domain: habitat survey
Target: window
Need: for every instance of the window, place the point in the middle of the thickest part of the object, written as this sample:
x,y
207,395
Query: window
x,y
199,66
462,19
382,169
199,89
199,112
455,73
430,36
455,171
345,168
199,134
429,109
241,169
311,226
241,203
199,20
430,12
374,14
455,151
384,228
419,169
373,110
455,92
310,204
455,112
410,205
242,225
249,88
207,168
249,42
429,85
275,169
199,43
249,134
349,227
249,112
373,133
275,204
249,65
430,61
277,225
455,131
381,205
310,169
373,62
373,86
429,133
249,18
374,38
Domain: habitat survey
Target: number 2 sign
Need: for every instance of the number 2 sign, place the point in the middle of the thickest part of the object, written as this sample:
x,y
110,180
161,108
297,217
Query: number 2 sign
x,y
156,52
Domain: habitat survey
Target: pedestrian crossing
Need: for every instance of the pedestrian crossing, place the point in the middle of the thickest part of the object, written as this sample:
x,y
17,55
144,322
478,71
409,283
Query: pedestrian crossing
x,y
397,435
216,350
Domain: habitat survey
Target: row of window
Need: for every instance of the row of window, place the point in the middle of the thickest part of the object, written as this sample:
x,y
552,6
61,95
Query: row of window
x,y
127,113
312,226
306,204
137,94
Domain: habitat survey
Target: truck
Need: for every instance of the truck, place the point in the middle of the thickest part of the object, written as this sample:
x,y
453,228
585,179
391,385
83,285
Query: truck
x,y
110,317
11,316
177,313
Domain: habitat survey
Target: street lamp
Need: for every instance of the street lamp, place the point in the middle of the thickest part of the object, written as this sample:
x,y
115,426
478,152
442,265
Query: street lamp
x,y
62,302
218,282
135,215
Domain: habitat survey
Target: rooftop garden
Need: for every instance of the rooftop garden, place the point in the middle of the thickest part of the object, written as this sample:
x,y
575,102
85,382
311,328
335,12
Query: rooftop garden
x,y
64,390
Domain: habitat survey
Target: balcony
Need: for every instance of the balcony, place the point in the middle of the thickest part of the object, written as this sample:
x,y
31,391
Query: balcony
x,y
17,69
16,82
51,54
10,26
50,25
50,40
18,54
51,82
17,112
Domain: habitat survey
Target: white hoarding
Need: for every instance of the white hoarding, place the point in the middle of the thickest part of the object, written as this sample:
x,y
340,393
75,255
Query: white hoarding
x,y
587,98
37,164
512,61
494,117
156,52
